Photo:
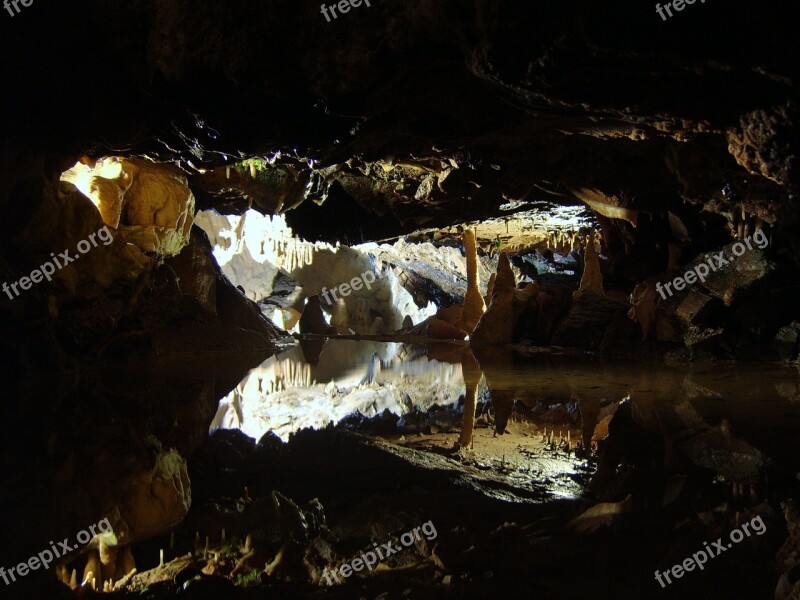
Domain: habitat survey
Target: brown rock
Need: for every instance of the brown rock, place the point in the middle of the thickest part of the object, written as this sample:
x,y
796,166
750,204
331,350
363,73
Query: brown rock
x,y
474,306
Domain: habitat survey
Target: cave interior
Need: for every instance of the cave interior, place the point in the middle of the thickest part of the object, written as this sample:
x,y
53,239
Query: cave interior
x,y
454,299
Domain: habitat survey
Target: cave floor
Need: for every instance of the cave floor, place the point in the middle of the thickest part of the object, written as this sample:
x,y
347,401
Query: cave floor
x,y
547,477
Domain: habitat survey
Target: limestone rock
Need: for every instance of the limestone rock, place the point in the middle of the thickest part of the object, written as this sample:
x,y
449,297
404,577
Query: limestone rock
x,y
154,501
312,320
504,278
436,329
159,196
451,314
474,306
151,204
592,278
498,324
490,289
339,319
594,323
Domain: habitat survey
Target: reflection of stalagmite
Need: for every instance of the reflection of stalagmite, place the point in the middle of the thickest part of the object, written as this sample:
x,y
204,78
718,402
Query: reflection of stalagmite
x,y
408,323
474,306
377,326
313,320
592,278
339,318
472,377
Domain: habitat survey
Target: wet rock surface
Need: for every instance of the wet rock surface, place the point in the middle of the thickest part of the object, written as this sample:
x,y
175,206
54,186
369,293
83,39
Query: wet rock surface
x,y
598,152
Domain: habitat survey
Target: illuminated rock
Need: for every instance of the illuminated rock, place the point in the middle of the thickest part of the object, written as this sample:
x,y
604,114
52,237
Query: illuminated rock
x,y
592,278
339,318
474,306
151,204
498,324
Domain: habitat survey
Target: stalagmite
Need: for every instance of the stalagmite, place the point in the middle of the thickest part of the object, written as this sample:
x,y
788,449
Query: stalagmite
x,y
339,317
108,560
496,326
93,567
62,573
474,306
73,579
592,278
505,279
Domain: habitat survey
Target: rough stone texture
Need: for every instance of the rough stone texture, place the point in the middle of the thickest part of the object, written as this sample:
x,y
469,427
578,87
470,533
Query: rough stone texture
x,y
740,272
586,91
312,319
498,324
196,270
154,501
593,322
150,203
409,115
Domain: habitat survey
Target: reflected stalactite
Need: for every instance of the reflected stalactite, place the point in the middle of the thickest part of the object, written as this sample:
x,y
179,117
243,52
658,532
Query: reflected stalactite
x,y
472,377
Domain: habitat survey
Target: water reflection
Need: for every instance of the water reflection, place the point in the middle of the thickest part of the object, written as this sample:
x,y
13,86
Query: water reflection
x,y
286,393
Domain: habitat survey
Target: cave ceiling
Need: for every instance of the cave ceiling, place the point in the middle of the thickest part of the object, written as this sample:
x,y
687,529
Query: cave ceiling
x,y
406,115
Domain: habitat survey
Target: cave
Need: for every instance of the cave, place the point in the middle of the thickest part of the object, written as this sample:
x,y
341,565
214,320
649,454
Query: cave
x,y
385,299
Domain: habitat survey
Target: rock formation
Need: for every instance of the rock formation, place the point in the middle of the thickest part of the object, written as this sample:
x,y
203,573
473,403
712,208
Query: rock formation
x,y
312,320
592,278
473,301
497,325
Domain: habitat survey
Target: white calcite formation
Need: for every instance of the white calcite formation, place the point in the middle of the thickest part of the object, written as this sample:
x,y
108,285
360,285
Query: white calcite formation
x,y
253,248
285,394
